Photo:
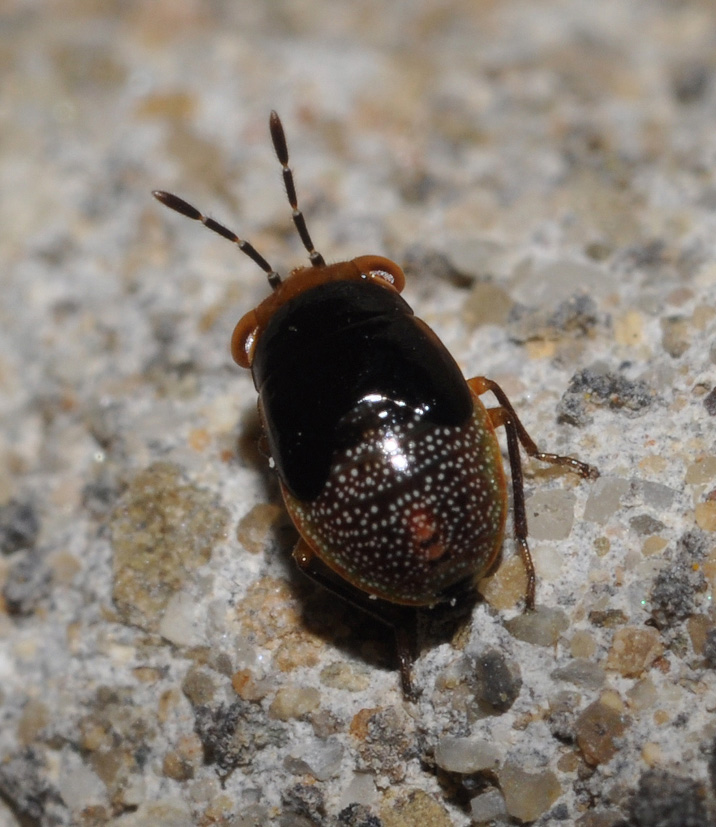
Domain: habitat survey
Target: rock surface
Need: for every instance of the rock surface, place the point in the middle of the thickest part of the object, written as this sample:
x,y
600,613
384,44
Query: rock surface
x,y
544,170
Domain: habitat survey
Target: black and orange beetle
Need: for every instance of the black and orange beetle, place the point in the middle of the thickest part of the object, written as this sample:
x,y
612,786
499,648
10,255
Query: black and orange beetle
x,y
388,461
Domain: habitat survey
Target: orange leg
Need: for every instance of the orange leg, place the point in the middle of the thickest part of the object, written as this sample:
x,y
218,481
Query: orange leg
x,y
517,435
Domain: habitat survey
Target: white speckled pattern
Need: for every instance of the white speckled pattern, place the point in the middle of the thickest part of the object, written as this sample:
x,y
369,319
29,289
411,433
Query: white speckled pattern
x,y
411,510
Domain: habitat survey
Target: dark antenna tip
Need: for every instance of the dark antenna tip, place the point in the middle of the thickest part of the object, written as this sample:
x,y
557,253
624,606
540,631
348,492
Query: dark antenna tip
x,y
177,204
278,136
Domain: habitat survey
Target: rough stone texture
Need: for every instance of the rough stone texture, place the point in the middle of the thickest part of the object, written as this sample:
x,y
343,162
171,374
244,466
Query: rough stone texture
x,y
544,171
303,801
417,807
678,586
551,514
597,729
634,650
28,583
385,741
592,388
19,526
488,807
666,800
542,627
528,794
357,815
466,755
231,735
162,530
709,650
710,403
493,680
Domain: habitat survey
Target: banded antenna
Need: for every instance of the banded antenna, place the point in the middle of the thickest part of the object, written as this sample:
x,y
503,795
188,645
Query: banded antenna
x,y
183,207
274,279
279,144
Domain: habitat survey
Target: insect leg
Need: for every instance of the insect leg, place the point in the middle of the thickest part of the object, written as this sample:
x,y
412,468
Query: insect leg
x,y
481,384
390,615
517,435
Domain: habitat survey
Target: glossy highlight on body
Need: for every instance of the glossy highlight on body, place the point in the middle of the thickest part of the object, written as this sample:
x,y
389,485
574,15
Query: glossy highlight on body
x,y
411,509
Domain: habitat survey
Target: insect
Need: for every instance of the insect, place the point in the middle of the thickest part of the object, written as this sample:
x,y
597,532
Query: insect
x,y
388,461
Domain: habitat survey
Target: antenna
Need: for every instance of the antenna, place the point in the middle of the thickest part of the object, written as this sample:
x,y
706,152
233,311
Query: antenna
x,y
279,144
183,207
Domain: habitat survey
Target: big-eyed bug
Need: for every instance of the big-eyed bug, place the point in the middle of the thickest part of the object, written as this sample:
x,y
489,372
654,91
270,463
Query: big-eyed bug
x,y
387,459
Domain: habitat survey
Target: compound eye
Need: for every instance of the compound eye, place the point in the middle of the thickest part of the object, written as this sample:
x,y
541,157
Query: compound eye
x,y
383,274
243,340
378,267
